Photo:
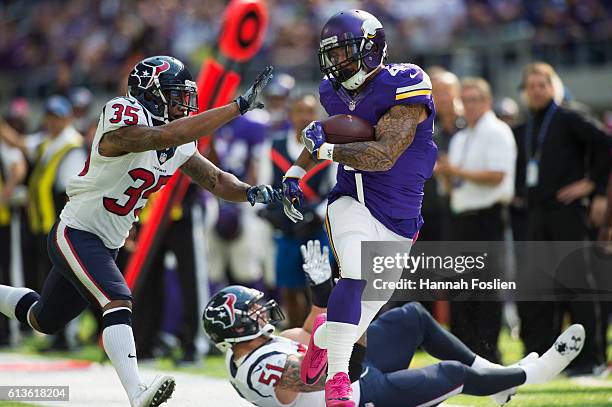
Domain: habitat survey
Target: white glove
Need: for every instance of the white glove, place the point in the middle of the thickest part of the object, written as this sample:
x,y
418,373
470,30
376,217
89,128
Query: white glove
x,y
316,262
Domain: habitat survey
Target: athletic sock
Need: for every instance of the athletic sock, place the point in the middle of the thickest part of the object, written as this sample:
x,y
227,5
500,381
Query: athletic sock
x,y
16,301
118,340
340,342
343,315
369,309
320,336
482,363
535,373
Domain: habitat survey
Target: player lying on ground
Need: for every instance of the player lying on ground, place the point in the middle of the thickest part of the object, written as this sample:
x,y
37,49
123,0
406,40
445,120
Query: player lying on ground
x,y
141,141
265,369
379,187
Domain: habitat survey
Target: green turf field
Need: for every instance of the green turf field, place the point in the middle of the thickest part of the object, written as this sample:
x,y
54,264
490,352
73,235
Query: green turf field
x,y
593,392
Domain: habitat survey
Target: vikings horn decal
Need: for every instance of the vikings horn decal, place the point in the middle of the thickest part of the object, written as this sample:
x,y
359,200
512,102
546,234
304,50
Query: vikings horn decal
x,y
224,313
147,75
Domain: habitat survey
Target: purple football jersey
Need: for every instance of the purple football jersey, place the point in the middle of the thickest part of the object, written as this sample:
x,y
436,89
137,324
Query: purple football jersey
x,y
238,142
394,197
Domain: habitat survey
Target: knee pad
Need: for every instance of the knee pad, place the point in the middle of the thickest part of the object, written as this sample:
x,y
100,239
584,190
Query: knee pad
x,y
417,308
117,316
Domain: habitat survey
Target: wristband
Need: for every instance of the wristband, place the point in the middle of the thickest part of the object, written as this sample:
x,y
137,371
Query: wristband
x,y
321,293
295,172
326,152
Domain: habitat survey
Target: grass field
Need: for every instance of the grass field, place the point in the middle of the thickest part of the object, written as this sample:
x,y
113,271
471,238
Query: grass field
x,y
592,392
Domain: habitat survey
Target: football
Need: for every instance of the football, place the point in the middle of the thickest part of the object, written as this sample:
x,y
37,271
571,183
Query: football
x,y
346,128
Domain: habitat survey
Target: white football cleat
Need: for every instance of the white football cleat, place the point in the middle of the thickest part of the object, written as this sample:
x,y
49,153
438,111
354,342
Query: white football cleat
x,y
504,397
565,349
158,392
567,346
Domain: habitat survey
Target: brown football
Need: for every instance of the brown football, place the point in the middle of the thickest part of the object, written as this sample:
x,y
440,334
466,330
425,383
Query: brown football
x,y
346,128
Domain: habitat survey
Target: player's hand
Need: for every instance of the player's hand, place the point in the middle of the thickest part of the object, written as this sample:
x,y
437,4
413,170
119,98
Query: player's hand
x,y
252,97
292,194
316,262
263,194
313,137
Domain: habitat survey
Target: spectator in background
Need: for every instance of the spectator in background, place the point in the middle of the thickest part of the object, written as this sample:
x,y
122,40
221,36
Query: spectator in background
x,y
13,170
449,119
55,155
233,238
290,278
19,114
507,110
563,163
152,299
81,99
277,95
480,173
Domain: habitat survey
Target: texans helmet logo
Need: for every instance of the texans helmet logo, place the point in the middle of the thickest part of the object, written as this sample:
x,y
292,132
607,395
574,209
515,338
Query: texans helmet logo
x,y
222,314
146,72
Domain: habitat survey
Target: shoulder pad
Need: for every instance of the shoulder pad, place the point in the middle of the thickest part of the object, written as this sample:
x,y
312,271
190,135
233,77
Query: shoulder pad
x,y
124,111
408,81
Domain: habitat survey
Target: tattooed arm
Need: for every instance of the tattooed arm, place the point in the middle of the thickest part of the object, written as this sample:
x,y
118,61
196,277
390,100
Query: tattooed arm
x,y
395,131
136,139
291,381
222,184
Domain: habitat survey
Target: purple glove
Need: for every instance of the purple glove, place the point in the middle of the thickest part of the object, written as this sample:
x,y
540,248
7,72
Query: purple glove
x,y
292,193
313,137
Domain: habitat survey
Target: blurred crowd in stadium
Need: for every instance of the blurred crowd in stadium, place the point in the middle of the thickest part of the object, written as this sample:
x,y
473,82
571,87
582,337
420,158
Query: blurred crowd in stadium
x,y
56,43
80,53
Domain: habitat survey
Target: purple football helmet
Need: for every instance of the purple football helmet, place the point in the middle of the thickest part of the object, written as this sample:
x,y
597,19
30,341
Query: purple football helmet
x,y
352,47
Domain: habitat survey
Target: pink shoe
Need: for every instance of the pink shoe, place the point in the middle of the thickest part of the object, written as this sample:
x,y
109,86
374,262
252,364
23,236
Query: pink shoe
x,y
314,364
338,391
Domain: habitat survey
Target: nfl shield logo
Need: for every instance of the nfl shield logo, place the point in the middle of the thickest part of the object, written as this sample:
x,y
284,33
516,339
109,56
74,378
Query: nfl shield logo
x,y
163,157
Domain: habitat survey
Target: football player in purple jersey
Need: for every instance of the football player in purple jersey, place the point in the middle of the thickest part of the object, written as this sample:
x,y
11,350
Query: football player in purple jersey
x,y
379,187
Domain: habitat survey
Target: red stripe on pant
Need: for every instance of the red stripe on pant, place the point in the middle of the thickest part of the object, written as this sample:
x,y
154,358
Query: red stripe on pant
x,y
74,253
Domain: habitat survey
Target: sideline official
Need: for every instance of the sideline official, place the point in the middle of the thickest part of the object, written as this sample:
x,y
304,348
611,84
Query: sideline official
x,y
563,164
480,172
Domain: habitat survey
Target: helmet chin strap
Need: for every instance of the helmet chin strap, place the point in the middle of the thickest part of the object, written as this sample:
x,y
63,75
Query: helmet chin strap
x,y
359,78
266,332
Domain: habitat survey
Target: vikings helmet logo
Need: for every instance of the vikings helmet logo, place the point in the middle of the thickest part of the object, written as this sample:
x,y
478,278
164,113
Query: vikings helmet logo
x,y
147,73
222,314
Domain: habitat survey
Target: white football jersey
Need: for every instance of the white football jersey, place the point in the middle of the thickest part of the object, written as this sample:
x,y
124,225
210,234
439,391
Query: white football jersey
x,y
255,377
107,196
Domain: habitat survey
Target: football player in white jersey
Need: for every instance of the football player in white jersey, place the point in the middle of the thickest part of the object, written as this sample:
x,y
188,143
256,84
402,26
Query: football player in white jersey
x,y
141,141
265,369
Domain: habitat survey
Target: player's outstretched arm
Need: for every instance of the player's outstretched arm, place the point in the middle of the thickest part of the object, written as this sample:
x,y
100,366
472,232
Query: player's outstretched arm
x,y
137,139
225,185
395,131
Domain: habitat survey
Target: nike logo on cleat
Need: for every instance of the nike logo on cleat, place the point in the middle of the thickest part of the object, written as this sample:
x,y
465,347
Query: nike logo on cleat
x,y
131,356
